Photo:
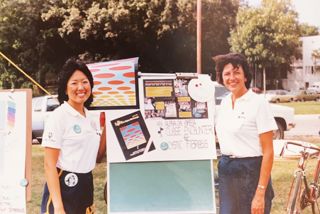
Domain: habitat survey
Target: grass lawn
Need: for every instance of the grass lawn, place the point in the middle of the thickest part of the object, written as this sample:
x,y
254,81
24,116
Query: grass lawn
x,y
282,175
38,180
310,107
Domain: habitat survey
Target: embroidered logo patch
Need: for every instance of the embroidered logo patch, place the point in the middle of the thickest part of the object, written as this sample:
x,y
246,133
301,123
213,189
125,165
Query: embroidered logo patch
x,y
77,129
71,179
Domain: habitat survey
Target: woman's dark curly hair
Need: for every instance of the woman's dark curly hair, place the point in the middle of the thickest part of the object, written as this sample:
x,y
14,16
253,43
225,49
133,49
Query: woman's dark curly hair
x,y
70,66
236,60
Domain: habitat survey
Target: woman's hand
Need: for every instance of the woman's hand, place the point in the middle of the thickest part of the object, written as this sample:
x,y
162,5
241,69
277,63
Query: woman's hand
x,y
257,205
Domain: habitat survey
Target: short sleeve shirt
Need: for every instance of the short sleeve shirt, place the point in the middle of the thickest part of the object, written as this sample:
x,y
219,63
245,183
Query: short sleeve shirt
x,y
75,135
238,128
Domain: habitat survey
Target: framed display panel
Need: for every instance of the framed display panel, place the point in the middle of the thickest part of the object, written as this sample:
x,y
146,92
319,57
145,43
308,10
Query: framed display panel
x,y
169,97
115,84
161,187
133,135
15,150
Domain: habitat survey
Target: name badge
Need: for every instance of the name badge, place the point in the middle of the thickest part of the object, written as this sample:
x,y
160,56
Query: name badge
x,y
71,179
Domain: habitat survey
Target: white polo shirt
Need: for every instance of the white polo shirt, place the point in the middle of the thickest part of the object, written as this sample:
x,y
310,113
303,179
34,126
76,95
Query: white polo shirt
x,y
238,129
76,136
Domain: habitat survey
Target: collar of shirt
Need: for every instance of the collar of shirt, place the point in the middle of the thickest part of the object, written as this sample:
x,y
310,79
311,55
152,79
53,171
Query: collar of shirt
x,y
247,96
72,111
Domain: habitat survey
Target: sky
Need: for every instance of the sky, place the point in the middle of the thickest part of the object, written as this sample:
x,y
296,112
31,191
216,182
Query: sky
x,y
308,10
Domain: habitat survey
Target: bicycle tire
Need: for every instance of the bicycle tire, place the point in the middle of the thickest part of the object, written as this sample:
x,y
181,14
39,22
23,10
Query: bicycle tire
x,y
293,205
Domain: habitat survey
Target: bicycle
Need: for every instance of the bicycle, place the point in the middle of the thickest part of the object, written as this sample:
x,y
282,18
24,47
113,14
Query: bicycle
x,y
302,194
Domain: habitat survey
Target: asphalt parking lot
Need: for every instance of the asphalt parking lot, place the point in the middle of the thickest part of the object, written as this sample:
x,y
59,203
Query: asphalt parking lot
x,y
305,125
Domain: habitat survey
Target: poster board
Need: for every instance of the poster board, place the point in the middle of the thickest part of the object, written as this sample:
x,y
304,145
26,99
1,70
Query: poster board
x,y
115,84
15,150
176,127
162,187
168,168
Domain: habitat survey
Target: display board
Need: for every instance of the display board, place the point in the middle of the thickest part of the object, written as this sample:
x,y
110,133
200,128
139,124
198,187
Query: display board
x,y
15,150
160,155
173,126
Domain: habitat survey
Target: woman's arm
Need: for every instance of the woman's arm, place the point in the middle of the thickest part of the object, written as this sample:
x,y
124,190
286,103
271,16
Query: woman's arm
x,y
102,146
265,171
50,160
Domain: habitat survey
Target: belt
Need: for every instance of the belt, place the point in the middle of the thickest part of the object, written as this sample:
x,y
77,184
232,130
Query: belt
x,y
243,158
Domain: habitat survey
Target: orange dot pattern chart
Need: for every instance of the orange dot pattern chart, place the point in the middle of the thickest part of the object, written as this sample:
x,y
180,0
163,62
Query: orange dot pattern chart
x,y
115,84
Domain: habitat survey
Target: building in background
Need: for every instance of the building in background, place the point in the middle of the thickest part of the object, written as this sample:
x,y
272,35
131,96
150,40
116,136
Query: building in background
x,y
305,71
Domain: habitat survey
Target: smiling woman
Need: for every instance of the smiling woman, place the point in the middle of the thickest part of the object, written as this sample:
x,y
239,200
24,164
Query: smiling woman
x,y
72,144
244,126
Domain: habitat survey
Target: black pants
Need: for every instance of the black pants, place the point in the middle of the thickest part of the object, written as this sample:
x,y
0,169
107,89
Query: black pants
x,y
238,181
77,196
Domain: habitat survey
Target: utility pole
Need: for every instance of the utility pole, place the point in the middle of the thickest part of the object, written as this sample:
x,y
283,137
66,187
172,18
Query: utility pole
x,y
199,15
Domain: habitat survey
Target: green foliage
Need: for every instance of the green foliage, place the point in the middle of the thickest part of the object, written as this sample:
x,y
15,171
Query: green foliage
x,y
21,41
268,35
40,35
307,30
162,33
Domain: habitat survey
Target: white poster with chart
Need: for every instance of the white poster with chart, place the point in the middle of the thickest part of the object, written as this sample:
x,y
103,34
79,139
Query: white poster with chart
x,y
15,150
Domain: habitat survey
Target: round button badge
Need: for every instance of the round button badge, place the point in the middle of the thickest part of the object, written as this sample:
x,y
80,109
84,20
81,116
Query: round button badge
x,y
164,146
77,129
71,179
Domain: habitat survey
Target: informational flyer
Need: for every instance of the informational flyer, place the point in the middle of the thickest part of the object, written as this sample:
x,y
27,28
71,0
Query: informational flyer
x,y
133,135
13,152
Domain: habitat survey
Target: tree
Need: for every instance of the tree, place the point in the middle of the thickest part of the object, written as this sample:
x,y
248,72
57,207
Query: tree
x,y
316,57
22,40
162,33
268,36
308,30
40,35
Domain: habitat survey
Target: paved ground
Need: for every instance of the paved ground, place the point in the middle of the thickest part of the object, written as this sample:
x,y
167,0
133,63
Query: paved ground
x,y
305,125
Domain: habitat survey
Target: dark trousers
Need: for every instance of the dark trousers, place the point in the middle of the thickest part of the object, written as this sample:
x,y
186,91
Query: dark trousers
x,y
238,181
77,199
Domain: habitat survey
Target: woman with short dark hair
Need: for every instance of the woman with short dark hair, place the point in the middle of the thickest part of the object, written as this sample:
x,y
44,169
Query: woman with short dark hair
x,y
244,127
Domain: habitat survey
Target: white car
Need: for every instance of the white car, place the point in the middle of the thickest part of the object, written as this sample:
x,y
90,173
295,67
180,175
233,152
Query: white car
x,y
283,115
41,106
314,88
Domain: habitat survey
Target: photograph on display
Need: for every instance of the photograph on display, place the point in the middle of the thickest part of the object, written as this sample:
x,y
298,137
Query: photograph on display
x,y
133,135
181,87
169,99
184,107
115,84
200,110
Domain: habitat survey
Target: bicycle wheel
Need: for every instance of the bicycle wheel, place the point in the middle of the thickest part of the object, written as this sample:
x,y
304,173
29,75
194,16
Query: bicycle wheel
x,y
293,205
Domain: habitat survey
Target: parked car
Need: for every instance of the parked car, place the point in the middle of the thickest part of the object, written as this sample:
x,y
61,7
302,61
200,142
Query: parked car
x,y
41,106
314,88
279,96
305,95
283,115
